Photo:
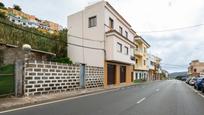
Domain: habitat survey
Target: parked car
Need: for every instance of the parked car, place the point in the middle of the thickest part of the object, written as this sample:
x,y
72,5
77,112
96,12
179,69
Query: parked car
x,y
188,79
192,81
184,78
198,83
202,87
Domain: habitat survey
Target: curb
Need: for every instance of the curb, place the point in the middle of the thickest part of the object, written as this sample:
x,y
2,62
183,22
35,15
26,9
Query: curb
x,y
194,90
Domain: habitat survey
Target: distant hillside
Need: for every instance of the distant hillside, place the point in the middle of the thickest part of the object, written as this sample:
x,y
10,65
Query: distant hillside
x,y
175,74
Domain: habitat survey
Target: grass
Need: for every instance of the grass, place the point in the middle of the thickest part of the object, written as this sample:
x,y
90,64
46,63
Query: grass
x,y
139,81
6,81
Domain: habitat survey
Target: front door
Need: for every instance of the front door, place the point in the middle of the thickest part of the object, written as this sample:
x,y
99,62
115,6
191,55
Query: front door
x,y
122,74
111,74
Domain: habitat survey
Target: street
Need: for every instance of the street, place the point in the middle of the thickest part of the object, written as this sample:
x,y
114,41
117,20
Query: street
x,y
170,97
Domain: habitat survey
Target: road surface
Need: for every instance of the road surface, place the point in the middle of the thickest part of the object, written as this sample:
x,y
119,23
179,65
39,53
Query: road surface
x,y
169,97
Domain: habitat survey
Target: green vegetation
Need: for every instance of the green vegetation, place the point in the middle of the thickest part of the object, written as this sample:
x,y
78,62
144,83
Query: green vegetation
x,y
139,81
17,35
17,7
2,5
6,81
2,15
62,60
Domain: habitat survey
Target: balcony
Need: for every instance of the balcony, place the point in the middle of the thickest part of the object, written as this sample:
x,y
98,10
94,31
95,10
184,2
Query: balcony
x,y
140,67
138,52
112,53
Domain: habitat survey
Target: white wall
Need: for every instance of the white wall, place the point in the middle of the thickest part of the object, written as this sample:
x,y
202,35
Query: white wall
x,y
78,24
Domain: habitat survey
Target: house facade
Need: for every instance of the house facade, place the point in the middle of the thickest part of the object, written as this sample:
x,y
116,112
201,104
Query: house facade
x,y
100,36
196,68
26,20
154,68
141,65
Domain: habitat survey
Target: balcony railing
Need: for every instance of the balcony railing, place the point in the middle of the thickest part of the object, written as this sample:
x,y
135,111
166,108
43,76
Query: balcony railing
x,y
138,52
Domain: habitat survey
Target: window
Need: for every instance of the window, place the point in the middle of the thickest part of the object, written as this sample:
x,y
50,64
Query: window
x,y
92,21
152,63
145,50
119,47
111,23
195,70
144,62
126,34
121,30
126,50
137,47
136,61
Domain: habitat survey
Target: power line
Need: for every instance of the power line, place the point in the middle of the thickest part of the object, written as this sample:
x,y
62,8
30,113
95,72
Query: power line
x,y
173,29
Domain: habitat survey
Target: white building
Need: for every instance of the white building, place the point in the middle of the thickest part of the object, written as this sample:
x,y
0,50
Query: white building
x,y
100,36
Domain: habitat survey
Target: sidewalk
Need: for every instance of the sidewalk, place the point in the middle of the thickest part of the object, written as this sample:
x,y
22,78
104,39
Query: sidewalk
x,y
14,102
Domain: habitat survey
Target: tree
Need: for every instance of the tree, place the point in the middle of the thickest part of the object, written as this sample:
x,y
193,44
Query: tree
x,y
17,7
2,5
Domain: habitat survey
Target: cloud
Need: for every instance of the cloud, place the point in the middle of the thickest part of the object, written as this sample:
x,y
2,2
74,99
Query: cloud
x,y
176,47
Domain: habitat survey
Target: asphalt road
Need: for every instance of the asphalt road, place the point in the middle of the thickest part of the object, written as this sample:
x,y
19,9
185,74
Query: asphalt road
x,y
157,98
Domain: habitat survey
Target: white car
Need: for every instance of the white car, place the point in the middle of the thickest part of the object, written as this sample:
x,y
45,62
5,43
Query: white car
x,y
192,81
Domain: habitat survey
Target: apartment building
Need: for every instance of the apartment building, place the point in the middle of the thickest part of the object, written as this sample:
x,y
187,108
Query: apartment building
x,y
100,36
196,68
158,68
151,67
141,65
154,67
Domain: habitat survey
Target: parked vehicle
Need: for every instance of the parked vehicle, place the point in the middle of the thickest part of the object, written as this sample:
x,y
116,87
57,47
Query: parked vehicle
x,y
184,78
188,79
202,87
192,81
198,83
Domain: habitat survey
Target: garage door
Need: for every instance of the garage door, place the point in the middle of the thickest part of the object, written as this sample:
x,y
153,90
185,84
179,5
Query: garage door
x,y
122,74
111,74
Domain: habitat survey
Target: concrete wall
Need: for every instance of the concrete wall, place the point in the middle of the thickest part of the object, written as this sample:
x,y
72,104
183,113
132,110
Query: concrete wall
x,y
47,77
78,24
8,55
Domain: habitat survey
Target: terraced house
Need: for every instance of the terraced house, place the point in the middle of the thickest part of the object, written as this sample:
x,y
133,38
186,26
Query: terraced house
x,y
141,66
100,36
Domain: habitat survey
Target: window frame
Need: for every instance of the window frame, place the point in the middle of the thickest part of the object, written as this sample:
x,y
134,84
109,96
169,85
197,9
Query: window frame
x,y
120,49
121,30
126,34
111,23
94,22
126,50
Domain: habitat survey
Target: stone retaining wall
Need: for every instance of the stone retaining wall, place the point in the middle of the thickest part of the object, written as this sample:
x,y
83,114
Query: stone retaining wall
x,y
48,77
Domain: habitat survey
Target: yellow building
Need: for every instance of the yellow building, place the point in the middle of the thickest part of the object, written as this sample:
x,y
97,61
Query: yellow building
x,y
196,68
141,66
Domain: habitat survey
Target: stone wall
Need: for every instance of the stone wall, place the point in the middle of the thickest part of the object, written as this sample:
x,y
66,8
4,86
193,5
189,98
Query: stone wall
x,y
48,77
94,76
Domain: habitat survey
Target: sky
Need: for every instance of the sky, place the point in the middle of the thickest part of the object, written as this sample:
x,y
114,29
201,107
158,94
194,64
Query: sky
x,y
147,17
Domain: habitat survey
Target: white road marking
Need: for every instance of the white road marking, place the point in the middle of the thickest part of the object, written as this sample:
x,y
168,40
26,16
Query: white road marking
x,y
141,100
71,98
157,90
